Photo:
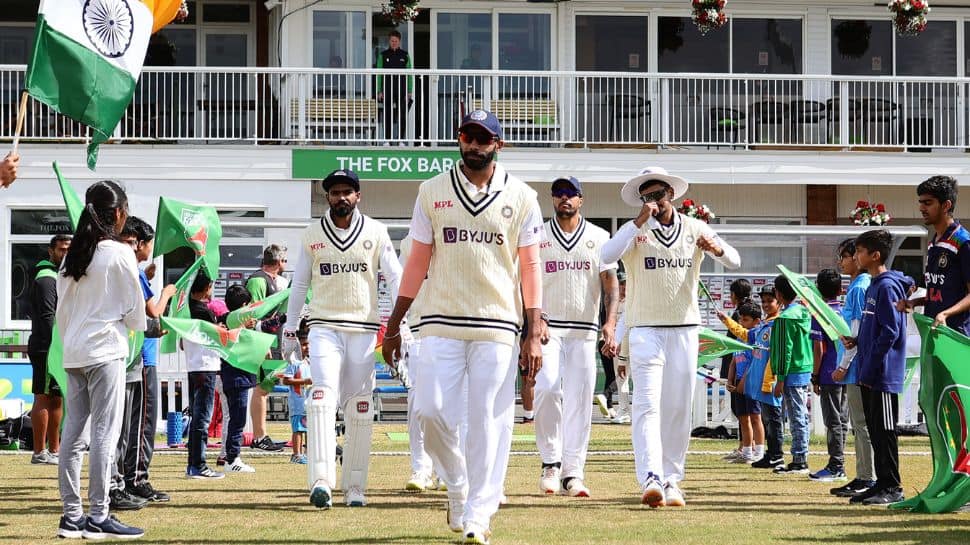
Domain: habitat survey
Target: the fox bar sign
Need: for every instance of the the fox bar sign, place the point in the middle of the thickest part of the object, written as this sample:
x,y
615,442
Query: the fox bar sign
x,y
370,164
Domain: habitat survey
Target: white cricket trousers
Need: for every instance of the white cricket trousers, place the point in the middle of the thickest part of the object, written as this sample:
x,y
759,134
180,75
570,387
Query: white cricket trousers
x,y
442,366
663,362
563,402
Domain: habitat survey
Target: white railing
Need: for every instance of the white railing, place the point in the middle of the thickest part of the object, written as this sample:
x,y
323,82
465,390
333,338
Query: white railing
x,y
342,106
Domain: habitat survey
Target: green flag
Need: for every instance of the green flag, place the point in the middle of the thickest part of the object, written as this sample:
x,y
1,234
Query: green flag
x,y
55,360
242,348
189,225
269,371
832,322
72,201
713,345
944,397
178,307
258,309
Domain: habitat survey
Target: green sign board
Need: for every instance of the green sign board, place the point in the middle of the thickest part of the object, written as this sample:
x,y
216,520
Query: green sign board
x,y
374,164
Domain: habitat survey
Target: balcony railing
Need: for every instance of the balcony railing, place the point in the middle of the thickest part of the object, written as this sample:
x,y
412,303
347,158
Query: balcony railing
x,y
374,107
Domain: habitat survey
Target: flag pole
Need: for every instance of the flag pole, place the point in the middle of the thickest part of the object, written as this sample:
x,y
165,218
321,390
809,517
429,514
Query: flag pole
x,y
21,113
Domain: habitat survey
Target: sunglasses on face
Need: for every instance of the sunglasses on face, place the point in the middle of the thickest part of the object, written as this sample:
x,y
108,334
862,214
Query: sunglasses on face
x,y
482,138
654,196
565,193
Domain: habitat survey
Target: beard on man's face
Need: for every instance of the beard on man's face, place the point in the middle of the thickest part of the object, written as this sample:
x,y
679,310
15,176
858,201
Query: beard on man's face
x,y
565,213
477,161
342,210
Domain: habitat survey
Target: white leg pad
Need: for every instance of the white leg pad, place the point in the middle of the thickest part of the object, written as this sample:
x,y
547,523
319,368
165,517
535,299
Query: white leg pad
x,y
359,419
321,411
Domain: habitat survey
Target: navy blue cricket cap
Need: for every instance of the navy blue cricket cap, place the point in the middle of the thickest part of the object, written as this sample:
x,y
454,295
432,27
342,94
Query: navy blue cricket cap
x,y
341,176
571,180
485,120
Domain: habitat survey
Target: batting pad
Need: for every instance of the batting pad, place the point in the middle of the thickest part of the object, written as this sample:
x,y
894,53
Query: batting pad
x,y
321,411
359,419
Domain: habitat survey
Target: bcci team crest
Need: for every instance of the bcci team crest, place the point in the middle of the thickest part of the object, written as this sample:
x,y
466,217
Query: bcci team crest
x,y
944,261
109,25
478,115
368,245
690,239
590,244
506,211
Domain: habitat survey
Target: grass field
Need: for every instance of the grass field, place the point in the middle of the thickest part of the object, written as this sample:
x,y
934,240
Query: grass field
x,y
727,504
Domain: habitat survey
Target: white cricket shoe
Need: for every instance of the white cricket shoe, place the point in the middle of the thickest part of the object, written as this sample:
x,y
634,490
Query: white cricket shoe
x,y
600,400
575,487
623,418
354,497
238,466
549,480
321,496
456,509
476,534
419,482
673,496
653,493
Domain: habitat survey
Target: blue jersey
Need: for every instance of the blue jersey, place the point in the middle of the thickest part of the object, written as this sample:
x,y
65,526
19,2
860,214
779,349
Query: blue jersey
x,y
298,394
832,354
947,274
742,360
760,338
149,349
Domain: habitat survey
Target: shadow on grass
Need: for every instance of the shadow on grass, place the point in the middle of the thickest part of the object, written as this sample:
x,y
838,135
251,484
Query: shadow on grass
x,y
371,539
923,536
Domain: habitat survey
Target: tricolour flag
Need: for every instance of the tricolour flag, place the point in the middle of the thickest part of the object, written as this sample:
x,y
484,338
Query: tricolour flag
x,y
163,12
191,225
178,306
244,349
72,201
944,397
86,60
713,345
832,322
258,309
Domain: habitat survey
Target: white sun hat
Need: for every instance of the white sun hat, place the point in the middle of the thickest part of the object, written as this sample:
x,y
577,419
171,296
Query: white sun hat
x,y
631,190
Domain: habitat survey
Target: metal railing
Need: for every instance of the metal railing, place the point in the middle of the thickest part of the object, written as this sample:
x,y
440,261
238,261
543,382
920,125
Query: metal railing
x,y
374,106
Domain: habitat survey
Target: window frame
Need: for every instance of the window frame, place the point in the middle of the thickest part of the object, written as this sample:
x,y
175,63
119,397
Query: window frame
x,y
6,295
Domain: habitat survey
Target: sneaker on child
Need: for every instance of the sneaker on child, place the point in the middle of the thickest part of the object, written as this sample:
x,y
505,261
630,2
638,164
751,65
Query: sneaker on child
x,y
885,497
121,500
110,527
147,492
72,529
238,466
298,459
794,468
44,457
854,487
204,473
265,443
828,475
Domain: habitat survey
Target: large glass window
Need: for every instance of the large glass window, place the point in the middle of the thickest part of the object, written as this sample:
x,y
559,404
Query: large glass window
x,y
862,47
932,53
30,234
339,39
524,41
766,46
682,48
611,43
465,41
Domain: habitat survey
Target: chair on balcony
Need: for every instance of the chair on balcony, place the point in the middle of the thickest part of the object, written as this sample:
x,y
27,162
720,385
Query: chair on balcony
x,y
805,114
726,122
833,111
770,116
628,107
879,122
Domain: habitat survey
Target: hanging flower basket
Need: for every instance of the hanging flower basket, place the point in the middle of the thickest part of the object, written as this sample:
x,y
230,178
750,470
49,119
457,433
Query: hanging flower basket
x,y
867,214
183,12
909,16
708,14
697,211
400,11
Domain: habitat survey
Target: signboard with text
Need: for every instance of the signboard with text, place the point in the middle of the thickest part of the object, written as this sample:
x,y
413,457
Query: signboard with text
x,y
373,164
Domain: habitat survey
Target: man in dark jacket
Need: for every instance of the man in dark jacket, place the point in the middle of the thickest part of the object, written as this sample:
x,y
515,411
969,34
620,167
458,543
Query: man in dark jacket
x,y
46,414
396,91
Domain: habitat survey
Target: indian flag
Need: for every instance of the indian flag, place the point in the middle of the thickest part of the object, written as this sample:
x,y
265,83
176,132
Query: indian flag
x,y
87,57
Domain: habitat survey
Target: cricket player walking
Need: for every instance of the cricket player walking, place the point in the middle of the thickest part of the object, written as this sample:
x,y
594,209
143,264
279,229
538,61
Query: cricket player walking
x,y
662,250
339,258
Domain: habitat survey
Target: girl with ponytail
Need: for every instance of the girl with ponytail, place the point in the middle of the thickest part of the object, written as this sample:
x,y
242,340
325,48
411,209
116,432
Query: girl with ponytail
x,y
99,300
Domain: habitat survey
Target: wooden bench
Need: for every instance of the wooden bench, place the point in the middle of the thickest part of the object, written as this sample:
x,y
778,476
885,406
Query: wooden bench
x,y
526,118
332,115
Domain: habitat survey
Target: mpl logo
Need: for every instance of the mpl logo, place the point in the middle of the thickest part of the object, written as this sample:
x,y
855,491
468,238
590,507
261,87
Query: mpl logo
x,y
450,234
317,246
443,204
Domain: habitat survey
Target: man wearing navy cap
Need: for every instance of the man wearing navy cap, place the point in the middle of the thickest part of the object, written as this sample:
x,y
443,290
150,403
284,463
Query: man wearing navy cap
x,y
338,258
573,280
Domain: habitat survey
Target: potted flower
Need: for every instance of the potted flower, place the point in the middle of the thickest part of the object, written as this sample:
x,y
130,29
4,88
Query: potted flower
x,y
867,214
909,16
697,211
400,11
708,14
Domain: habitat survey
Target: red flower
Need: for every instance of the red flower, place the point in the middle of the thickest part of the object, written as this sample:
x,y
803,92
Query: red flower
x,y
688,202
861,204
880,207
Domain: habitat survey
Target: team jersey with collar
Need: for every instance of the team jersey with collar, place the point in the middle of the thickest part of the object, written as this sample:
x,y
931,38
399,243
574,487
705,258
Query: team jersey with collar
x,y
571,290
343,272
947,274
473,287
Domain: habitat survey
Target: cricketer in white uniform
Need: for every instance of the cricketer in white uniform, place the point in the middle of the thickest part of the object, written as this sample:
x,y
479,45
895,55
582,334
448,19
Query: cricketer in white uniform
x,y
338,258
476,232
573,280
662,251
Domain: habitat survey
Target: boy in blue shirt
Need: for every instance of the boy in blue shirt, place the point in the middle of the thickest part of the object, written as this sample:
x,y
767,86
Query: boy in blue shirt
x,y
846,373
882,363
831,394
746,409
297,377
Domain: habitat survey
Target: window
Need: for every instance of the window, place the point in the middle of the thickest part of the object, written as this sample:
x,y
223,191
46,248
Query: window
x,y
682,48
931,53
766,46
465,41
862,48
30,234
338,39
611,43
524,41
226,13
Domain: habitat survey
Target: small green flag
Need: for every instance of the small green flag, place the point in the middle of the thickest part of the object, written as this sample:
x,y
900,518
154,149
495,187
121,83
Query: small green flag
x,y
178,306
72,201
55,360
257,309
944,397
713,345
832,322
188,225
243,348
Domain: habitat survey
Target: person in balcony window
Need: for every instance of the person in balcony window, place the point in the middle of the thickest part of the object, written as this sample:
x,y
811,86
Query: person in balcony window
x,y
396,91
8,169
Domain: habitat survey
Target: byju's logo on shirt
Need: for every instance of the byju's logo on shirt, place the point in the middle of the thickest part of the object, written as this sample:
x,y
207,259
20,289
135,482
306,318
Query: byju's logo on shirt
x,y
328,269
454,235
556,266
651,263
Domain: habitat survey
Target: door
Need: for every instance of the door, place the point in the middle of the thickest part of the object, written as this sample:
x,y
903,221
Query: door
x,y
228,103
